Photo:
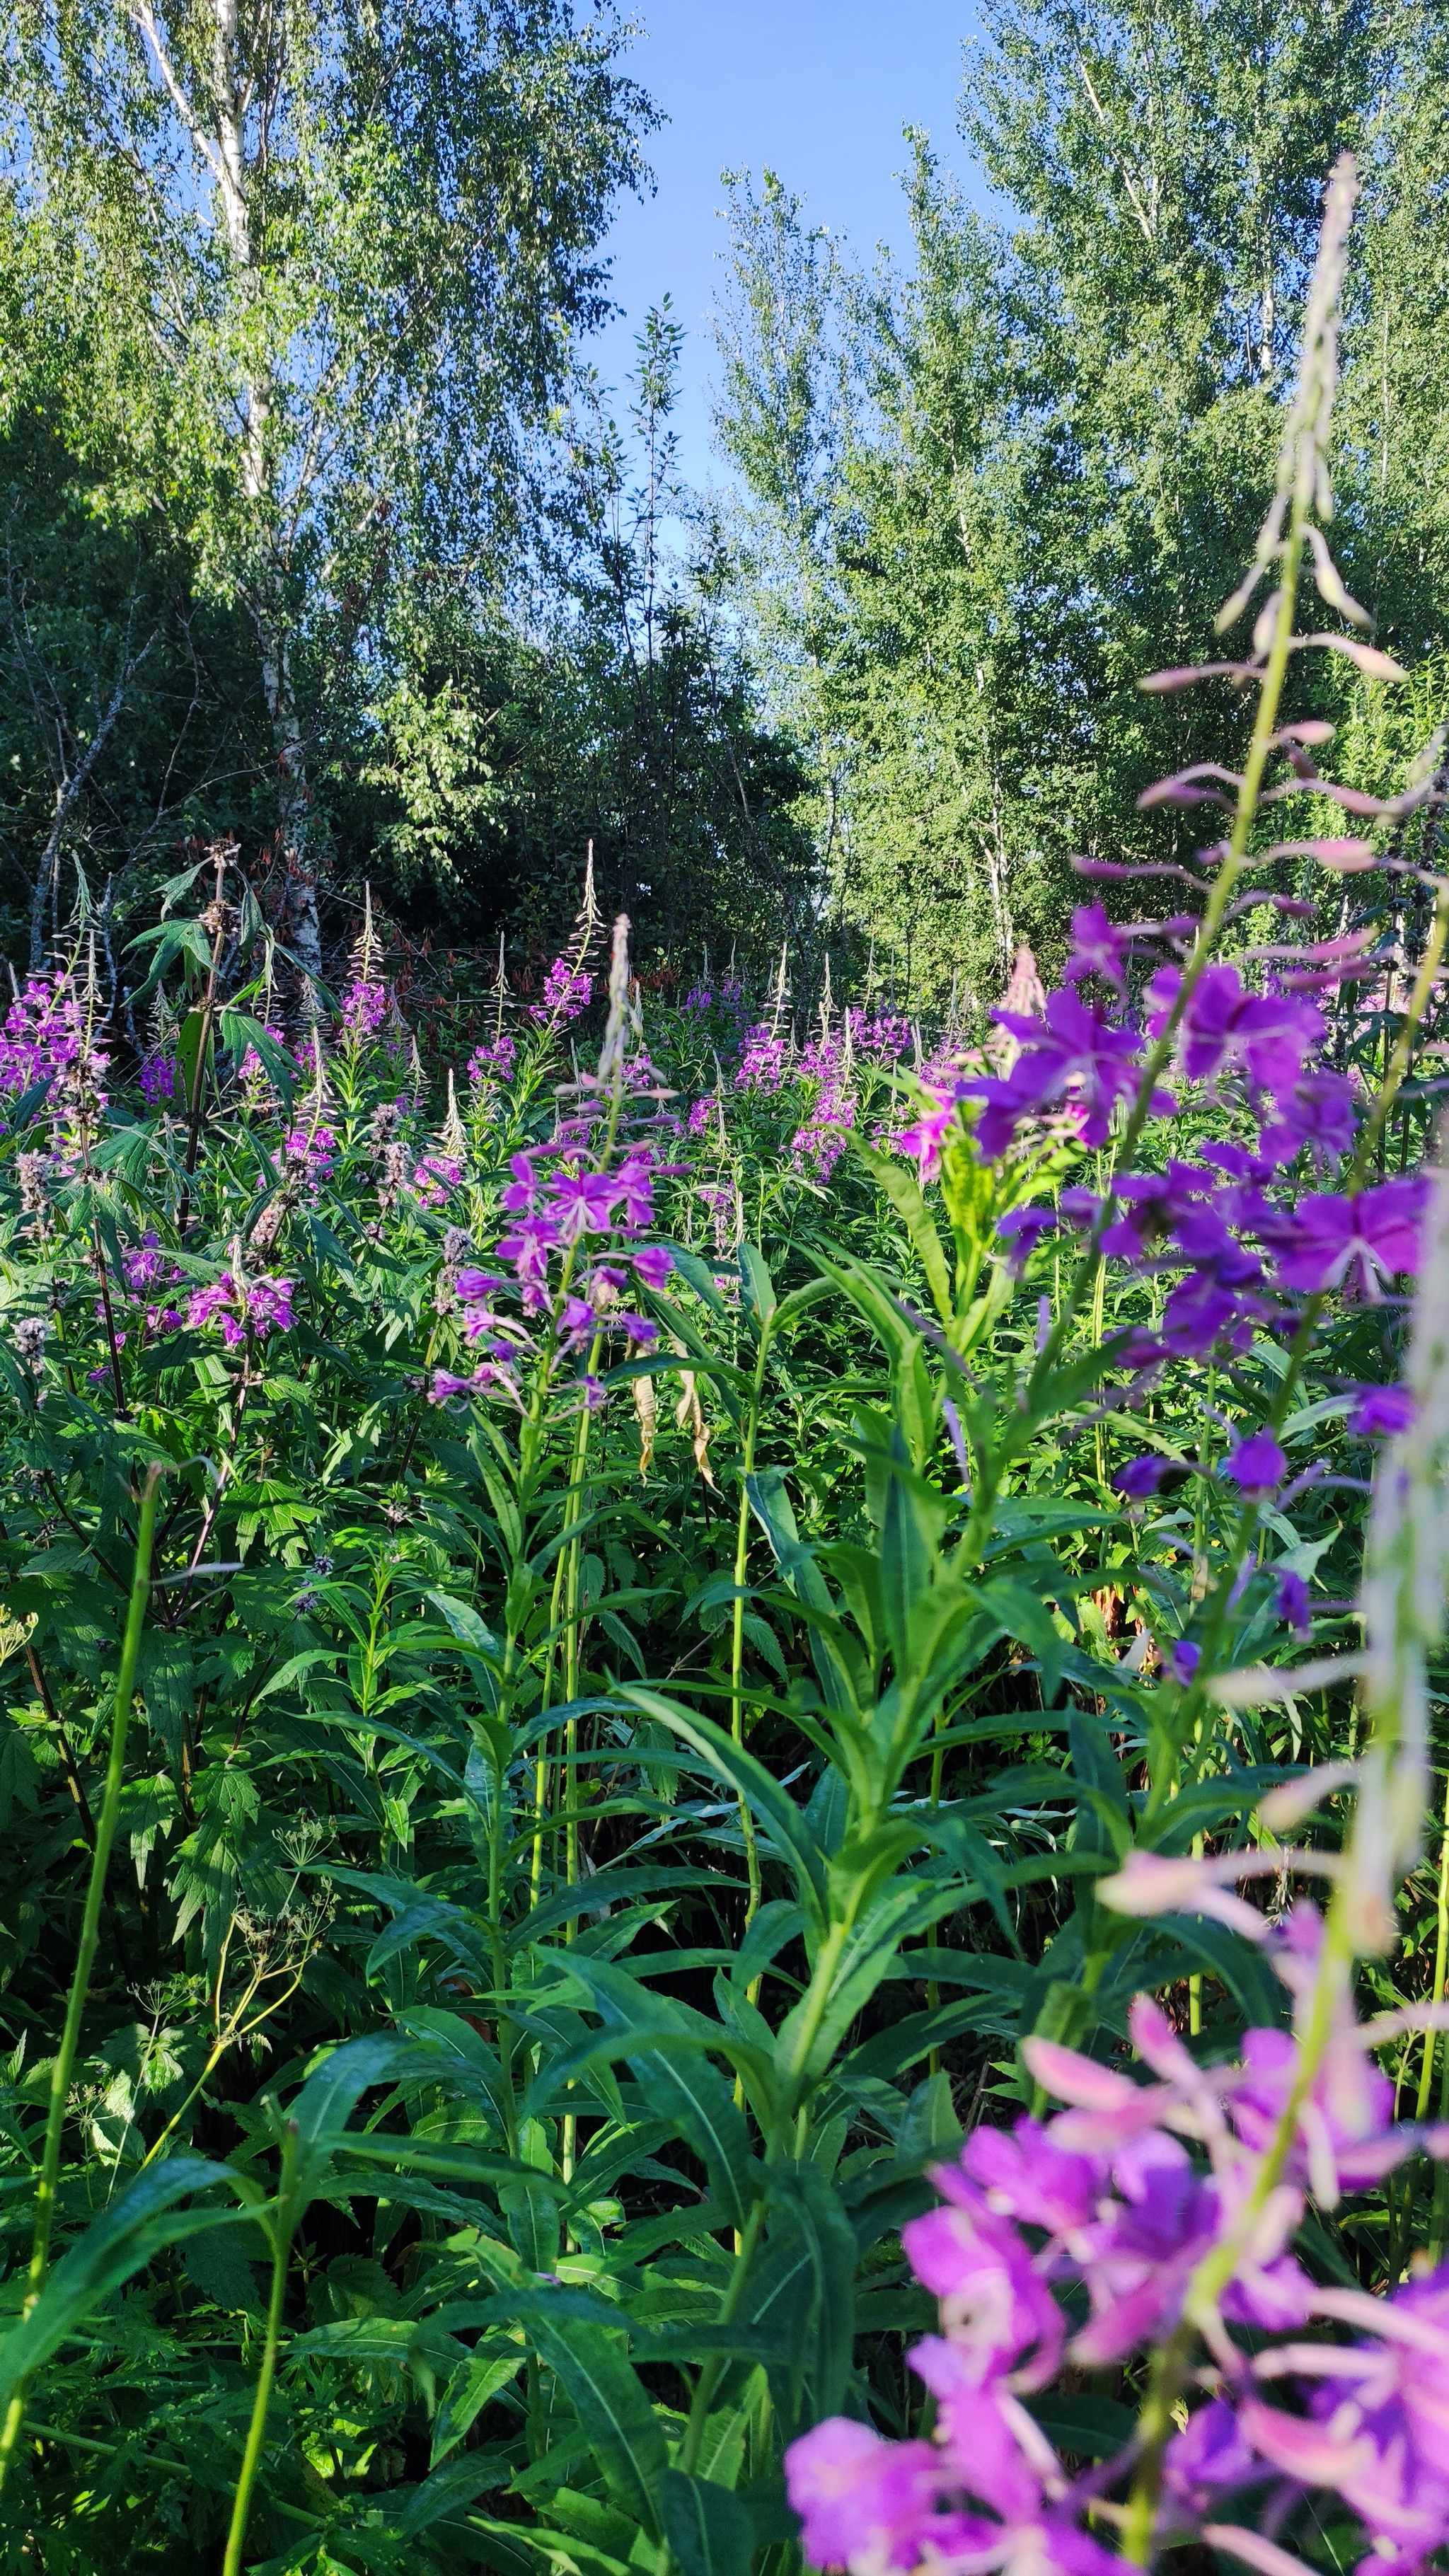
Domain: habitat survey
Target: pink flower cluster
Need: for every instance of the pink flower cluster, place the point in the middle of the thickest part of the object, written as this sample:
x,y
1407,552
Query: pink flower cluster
x,y
434,1179
147,1273
565,994
158,1080
820,1139
256,1306
573,1251
43,1037
493,1061
364,1009
762,1060
1111,2207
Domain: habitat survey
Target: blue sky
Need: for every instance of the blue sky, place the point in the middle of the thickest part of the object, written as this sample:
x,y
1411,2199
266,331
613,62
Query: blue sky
x,y
818,90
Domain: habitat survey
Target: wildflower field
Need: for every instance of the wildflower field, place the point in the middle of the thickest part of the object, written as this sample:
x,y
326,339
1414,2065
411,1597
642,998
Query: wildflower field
x,y
719,1729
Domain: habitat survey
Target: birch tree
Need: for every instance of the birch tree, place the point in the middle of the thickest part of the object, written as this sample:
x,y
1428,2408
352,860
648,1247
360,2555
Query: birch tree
x,y
343,255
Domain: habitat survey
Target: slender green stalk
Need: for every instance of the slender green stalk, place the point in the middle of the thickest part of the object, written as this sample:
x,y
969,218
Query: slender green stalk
x,y
737,1631
60,2073
1441,1963
282,2225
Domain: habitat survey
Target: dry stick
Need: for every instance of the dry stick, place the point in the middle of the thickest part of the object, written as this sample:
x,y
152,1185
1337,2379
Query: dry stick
x,y
60,2072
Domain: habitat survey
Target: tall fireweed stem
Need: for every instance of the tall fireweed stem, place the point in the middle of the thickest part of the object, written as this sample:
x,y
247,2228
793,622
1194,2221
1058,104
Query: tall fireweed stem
x,y
1299,1349
282,2225
1402,1606
60,2073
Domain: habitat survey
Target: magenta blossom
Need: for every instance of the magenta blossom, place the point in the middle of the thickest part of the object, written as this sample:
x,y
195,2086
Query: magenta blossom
x,y
1098,948
1268,1034
494,1059
1073,1058
762,1065
1140,1478
1371,1238
261,1305
364,1008
1382,1410
932,1126
1318,1111
565,994
1291,1603
861,2498
1257,1465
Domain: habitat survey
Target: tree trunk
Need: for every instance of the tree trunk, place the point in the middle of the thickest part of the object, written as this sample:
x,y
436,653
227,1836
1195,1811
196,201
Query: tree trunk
x,y
294,802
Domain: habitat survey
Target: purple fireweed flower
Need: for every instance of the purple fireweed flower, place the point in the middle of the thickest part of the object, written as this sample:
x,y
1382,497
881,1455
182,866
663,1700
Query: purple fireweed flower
x,y
698,998
583,1202
651,1263
860,2497
494,1060
527,1250
1237,1163
158,1080
314,1148
995,2305
445,1386
702,1114
475,1285
1072,1055
565,995
1380,1411
1373,1236
142,1266
1140,1478
1318,1111
1201,1313
1022,1229
1184,1658
1268,1034
885,1038
1201,1236
1137,2258
1376,2426
364,1008
576,1323
434,1179
1211,2454
1155,1204
762,1064
1257,1465
1098,948
933,1124
1025,2175
1291,1603
634,1180
44,1035
264,1304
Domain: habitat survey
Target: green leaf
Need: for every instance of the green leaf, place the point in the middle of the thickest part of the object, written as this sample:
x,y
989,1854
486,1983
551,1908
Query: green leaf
x,y
1094,2427
758,1286
768,1802
708,2529
117,2245
604,2390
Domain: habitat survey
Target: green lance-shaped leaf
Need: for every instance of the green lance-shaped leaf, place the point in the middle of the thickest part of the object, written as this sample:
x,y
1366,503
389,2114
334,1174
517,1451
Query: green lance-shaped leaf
x,y
708,2529
608,2398
117,2245
771,1805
